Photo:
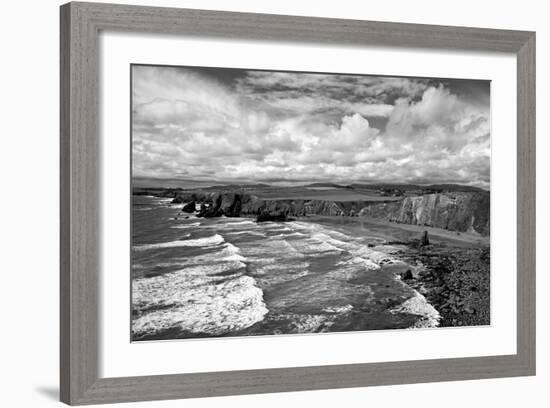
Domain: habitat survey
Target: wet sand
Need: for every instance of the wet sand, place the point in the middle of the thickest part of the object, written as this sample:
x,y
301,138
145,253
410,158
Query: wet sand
x,y
392,231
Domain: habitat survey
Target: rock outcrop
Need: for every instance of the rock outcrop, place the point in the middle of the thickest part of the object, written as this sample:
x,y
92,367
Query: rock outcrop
x,y
189,207
424,241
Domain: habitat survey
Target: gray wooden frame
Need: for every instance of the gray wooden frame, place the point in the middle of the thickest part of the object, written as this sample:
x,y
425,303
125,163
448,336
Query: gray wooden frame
x,y
80,26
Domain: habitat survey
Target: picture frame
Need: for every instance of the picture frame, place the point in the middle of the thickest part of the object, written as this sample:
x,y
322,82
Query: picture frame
x,y
80,159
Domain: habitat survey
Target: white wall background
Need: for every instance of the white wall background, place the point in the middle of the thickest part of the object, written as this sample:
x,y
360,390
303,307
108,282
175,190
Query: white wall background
x,y
29,204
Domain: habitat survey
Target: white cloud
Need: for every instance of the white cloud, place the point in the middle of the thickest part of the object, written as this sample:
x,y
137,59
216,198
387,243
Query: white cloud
x,y
305,126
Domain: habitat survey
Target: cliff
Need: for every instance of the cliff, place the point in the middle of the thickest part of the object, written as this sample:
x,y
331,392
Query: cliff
x,y
461,211
242,204
456,211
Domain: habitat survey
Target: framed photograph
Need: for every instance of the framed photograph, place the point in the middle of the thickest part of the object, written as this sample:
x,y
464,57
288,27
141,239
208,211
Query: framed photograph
x,y
261,203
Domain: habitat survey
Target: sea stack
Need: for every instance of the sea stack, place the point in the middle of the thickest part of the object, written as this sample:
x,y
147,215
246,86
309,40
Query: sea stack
x,y
424,240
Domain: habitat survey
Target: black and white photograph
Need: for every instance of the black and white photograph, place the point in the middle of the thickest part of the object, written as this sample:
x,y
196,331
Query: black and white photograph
x,y
285,203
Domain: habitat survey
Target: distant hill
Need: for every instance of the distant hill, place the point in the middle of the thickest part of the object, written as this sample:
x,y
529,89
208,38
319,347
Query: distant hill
x,y
323,185
146,182
400,186
186,184
412,187
236,186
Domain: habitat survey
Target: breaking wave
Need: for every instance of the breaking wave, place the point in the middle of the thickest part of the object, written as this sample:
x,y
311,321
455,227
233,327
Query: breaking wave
x,y
196,301
209,293
199,242
418,305
187,226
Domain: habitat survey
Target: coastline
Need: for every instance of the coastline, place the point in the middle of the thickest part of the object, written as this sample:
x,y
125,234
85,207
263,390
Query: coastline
x,y
427,275
452,273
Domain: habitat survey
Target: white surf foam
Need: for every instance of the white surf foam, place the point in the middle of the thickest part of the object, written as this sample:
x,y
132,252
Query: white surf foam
x,y
255,233
289,235
317,239
311,246
143,208
187,226
317,228
192,302
365,262
235,223
162,200
375,256
222,223
277,249
306,323
199,242
302,225
278,228
336,240
232,253
418,305
226,253
273,273
337,243
338,309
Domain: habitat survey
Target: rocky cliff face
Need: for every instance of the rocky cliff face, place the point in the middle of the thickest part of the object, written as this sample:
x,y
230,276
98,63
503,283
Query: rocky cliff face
x,y
460,211
236,204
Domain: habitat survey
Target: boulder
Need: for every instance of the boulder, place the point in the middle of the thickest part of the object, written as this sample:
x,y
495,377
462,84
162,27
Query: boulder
x,y
407,275
189,207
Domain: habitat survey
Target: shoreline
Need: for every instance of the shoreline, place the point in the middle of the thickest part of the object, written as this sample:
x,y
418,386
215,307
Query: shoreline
x,y
452,272
392,231
427,270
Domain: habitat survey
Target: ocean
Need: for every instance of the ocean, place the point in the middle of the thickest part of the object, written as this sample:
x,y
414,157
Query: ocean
x,y
195,277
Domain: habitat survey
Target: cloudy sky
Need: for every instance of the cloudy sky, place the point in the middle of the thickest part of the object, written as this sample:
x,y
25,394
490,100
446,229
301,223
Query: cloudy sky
x,y
264,126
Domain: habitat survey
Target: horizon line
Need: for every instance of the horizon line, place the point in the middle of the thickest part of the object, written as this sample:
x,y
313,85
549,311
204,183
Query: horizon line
x,y
307,182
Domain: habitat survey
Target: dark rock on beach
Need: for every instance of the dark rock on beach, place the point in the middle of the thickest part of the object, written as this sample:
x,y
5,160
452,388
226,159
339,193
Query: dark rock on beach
x,y
189,207
424,241
407,275
266,216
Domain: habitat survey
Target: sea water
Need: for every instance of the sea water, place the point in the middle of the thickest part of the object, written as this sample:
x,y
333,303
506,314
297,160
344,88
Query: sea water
x,y
197,277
